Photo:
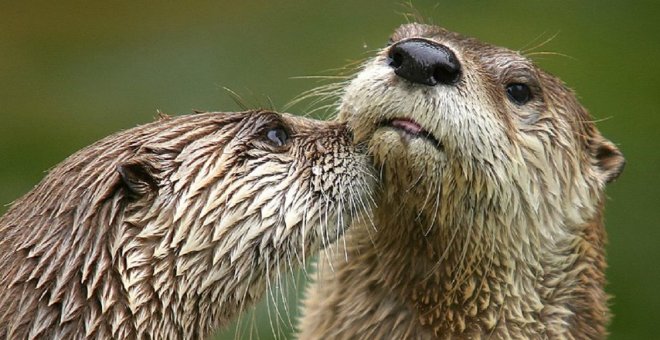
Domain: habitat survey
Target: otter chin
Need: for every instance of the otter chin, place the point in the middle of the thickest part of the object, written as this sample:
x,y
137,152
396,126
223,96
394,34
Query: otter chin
x,y
490,221
171,229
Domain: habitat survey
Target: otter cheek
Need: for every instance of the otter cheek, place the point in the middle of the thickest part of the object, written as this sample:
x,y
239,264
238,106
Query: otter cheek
x,y
360,124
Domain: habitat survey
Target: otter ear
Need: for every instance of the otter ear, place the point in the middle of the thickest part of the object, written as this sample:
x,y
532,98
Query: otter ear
x,y
139,176
609,160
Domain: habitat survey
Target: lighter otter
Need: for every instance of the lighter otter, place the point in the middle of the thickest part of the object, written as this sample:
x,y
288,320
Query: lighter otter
x,y
490,223
168,230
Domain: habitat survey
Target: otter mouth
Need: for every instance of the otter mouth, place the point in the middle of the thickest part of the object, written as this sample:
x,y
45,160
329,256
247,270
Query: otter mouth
x,y
411,129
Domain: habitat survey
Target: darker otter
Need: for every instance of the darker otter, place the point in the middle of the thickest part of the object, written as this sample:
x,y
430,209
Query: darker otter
x,y
491,219
170,229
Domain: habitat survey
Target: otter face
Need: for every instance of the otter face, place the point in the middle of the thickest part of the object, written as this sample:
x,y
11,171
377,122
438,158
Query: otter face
x,y
240,197
262,170
289,174
455,119
261,186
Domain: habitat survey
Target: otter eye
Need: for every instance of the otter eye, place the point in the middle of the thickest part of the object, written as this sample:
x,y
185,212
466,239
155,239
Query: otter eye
x,y
277,136
519,93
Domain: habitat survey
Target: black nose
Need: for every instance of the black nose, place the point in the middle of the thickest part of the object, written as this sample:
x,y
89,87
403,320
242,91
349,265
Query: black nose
x,y
424,62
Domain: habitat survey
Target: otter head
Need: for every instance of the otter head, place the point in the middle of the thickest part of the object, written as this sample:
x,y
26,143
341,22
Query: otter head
x,y
496,168
257,171
220,203
449,116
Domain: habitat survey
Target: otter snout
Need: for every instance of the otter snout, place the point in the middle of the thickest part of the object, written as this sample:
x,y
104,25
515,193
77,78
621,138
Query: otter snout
x,y
424,62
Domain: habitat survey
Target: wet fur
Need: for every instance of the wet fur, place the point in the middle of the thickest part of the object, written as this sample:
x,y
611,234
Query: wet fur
x,y
498,233
170,229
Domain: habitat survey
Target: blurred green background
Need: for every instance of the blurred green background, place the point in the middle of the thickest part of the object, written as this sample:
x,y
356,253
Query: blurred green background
x,y
72,72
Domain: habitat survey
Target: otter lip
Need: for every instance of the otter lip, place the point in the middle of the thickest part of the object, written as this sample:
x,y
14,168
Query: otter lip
x,y
412,128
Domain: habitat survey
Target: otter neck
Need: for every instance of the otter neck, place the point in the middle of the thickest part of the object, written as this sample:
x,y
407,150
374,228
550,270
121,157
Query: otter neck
x,y
470,278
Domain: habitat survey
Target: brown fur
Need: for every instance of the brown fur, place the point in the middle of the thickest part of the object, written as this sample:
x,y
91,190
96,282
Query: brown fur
x,y
497,233
170,229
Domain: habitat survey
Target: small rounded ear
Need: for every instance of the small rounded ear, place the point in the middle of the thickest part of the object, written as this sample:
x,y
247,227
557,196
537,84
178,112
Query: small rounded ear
x,y
139,176
609,160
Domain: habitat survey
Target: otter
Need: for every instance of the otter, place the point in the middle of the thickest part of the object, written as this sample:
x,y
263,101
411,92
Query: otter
x,y
490,221
170,229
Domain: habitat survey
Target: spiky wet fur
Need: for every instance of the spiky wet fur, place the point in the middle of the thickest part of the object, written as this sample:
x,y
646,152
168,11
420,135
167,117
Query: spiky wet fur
x,y
496,233
209,213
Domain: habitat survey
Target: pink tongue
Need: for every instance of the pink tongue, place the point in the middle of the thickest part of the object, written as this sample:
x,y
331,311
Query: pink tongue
x,y
407,125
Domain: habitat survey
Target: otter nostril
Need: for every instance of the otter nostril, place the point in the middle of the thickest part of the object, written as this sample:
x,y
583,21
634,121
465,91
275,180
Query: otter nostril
x,y
424,62
446,75
395,60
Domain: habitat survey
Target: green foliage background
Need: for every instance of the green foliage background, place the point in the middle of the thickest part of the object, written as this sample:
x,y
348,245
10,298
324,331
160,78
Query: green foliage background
x,y
72,72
